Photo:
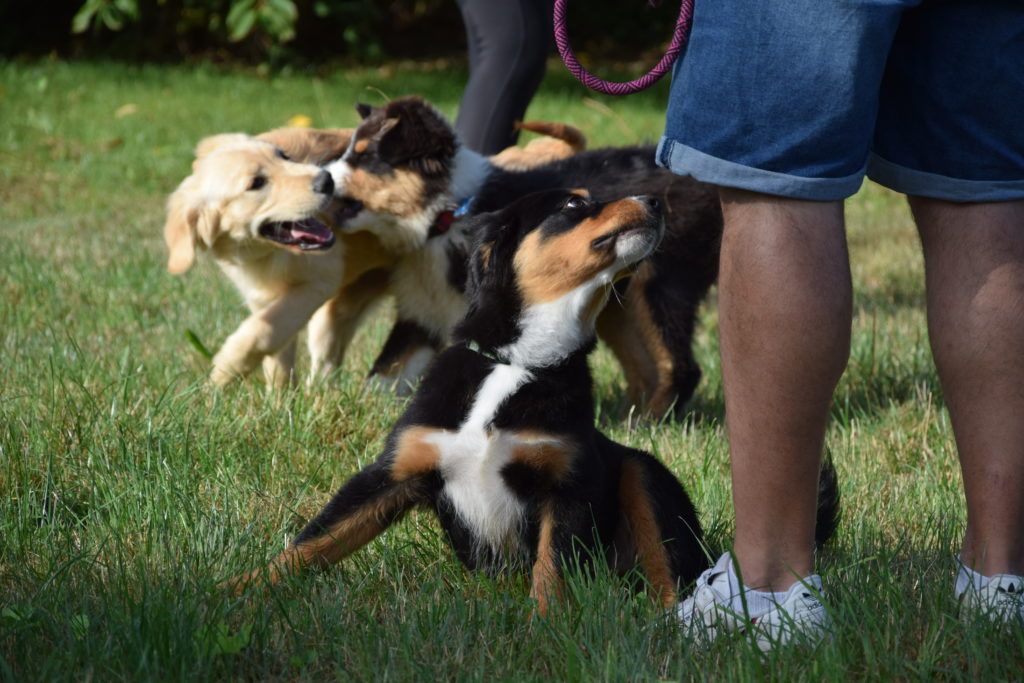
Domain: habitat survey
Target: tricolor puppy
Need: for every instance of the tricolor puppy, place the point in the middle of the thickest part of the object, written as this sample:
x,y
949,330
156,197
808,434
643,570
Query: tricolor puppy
x,y
406,179
499,439
263,208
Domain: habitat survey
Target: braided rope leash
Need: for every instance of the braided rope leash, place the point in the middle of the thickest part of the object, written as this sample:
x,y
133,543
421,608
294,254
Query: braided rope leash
x,y
679,38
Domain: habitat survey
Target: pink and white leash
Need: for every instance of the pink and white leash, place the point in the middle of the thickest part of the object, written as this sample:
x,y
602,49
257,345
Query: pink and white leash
x,y
679,38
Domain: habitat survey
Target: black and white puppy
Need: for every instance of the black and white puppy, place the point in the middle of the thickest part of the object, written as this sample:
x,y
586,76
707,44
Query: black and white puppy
x,y
499,439
405,172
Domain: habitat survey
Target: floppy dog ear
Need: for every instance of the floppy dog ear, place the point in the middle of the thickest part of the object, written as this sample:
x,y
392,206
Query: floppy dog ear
x,y
185,224
180,232
420,137
490,263
492,298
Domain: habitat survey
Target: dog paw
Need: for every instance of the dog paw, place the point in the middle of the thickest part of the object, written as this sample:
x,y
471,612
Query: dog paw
x,y
221,375
232,365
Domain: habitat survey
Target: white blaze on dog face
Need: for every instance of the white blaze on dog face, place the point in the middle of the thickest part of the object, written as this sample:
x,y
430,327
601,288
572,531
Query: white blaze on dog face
x,y
243,190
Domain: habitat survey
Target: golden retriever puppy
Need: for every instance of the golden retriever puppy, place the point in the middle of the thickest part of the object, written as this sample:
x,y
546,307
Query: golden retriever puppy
x,y
260,215
263,208
364,261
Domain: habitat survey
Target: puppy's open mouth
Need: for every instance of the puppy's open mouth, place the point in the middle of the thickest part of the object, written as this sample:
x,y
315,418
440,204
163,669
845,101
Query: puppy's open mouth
x,y
308,234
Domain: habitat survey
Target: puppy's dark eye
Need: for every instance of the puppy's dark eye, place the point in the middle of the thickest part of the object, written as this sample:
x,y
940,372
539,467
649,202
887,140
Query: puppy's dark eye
x,y
574,202
282,155
257,182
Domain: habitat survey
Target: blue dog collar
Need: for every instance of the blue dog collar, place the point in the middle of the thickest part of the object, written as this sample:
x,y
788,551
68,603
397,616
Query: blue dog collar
x,y
463,208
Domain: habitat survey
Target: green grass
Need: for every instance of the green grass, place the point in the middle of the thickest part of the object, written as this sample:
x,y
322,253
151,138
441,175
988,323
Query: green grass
x,y
130,488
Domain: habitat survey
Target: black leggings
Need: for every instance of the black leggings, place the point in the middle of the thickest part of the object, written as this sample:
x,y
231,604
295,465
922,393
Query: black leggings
x,y
508,45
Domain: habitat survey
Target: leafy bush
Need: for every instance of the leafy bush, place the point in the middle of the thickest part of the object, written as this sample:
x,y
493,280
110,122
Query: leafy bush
x,y
111,14
275,17
238,18
298,30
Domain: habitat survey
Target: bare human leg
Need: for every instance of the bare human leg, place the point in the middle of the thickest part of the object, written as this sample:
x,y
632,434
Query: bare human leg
x,y
974,268
785,307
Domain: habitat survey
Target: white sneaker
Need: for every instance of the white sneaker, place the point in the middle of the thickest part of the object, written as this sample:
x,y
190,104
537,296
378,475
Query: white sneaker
x,y
1001,599
720,604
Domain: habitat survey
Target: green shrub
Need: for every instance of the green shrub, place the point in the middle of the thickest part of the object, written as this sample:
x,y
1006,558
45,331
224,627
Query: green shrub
x,y
300,30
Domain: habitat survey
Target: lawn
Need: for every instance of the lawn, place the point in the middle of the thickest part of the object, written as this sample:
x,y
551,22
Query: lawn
x,y
130,487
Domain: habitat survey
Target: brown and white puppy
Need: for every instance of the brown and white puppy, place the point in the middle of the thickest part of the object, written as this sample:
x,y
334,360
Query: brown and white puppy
x,y
246,204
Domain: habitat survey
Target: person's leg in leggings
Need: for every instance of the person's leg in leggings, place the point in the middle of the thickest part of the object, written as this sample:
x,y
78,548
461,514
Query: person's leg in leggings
x,y
974,272
508,45
785,308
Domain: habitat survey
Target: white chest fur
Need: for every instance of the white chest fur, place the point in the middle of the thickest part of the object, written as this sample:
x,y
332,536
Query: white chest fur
x,y
421,288
472,459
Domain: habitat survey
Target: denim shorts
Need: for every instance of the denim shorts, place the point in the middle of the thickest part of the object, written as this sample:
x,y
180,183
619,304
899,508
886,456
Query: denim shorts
x,y
802,98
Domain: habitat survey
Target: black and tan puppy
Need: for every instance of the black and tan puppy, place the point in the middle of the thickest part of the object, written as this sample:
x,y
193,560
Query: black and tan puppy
x,y
499,439
405,175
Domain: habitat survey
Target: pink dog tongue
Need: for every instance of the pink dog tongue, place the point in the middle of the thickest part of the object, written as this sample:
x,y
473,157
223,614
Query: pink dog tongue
x,y
311,231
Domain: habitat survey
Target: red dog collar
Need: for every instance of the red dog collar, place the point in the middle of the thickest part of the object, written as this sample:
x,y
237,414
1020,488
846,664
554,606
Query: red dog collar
x,y
442,224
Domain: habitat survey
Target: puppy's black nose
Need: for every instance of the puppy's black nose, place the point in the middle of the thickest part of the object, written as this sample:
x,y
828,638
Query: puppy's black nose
x,y
323,183
652,202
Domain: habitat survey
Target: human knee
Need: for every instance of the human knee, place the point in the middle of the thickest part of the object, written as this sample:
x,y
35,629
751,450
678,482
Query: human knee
x,y
974,257
785,263
799,246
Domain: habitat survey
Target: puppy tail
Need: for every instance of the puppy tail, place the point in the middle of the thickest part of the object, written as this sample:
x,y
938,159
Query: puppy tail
x,y
570,135
828,503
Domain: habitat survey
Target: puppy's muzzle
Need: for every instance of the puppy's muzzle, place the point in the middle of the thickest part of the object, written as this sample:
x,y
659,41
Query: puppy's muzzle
x,y
653,222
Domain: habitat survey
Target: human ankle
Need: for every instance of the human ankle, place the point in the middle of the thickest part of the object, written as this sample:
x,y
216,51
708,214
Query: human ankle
x,y
771,573
989,559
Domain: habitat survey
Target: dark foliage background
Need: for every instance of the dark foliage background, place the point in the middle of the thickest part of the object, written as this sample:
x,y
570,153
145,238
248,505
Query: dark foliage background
x,y
297,31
